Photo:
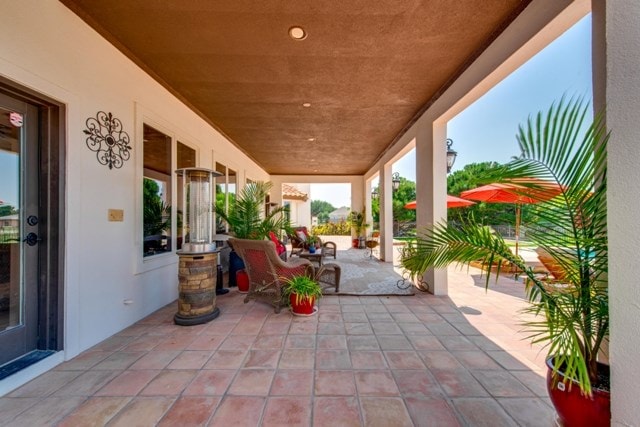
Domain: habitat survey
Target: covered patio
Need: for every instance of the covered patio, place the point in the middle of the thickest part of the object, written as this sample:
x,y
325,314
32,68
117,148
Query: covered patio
x,y
225,86
387,361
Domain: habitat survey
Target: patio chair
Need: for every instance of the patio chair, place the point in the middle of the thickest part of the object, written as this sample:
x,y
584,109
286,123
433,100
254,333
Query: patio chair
x,y
298,239
267,272
372,243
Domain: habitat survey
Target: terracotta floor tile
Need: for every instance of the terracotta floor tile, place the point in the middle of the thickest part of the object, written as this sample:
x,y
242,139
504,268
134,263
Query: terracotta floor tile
x,y
128,383
169,383
190,411
501,384
405,317
206,342
431,412
87,383
48,411
262,359
333,359
13,406
476,360
142,411
238,411
190,359
120,360
268,342
403,360
219,328
385,328
334,383
529,412
352,308
394,342
362,342
442,360
209,383
291,382
336,411
483,412
84,361
302,327
414,329
507,361
417,383
297,358
534,381
287,411
46,384
358,328
96,411
156,359
177,341
376,383
334,328
226,359
144,343
252,382
384,412
368,360
355,317
329,317
237,342
275,328
300,341
457,343
459,383
112,344
331,342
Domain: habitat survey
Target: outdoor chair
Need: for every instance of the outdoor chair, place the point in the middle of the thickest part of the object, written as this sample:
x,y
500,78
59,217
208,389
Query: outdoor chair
x,y
298,239
267,272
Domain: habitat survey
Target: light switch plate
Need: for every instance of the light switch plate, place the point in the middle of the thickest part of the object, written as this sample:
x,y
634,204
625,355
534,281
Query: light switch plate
x,y
116,215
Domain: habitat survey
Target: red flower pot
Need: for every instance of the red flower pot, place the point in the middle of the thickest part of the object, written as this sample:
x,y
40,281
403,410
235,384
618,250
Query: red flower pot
x,y
355,243
305,305
242,280
574,408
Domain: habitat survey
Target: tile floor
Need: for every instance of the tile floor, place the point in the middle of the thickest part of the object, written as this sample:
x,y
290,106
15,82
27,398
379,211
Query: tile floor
x,y
372,361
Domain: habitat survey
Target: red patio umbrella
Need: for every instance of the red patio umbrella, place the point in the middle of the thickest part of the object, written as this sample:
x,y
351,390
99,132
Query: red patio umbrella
x,y
452,202
515,193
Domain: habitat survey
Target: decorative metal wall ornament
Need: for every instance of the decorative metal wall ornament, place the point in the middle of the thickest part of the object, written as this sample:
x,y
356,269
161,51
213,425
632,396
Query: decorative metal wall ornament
x,y
108,140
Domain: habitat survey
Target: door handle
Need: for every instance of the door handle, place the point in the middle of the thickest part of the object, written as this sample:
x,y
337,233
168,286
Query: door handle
x,y
32,239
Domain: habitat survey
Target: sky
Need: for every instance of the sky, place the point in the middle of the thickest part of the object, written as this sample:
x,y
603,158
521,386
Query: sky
x,y
485,131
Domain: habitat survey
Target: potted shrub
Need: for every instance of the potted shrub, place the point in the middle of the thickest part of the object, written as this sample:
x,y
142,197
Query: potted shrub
x,y
572,317
302,292
246,220
357,222
312,243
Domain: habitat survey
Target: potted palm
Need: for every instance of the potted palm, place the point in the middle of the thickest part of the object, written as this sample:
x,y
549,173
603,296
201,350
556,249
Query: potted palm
x,y
572,318
356,220
302,292
246,220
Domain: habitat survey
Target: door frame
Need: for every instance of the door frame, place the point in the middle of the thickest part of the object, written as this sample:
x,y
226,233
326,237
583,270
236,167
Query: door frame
x,y
52,154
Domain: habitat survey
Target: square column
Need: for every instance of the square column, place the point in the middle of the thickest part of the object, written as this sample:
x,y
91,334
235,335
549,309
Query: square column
x,y
386,214
431,189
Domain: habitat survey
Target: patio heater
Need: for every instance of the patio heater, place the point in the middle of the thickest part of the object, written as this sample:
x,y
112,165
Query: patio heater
x,y
198,257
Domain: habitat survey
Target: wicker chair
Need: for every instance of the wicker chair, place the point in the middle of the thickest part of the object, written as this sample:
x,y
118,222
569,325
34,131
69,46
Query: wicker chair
x,y
298,243
266,271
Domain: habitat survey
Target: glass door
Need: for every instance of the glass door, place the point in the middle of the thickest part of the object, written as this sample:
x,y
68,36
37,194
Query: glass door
x,y
19,238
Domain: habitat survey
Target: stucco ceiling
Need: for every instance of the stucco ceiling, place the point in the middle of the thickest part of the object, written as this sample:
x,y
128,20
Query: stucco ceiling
x,y
368,68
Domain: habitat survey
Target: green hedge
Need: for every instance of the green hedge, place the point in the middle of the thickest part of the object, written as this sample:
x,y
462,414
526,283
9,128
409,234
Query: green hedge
x,y
332,229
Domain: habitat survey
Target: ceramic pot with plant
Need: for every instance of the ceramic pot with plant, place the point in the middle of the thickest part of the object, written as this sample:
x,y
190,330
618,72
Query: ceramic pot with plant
x,y
312,242
571,314
302,291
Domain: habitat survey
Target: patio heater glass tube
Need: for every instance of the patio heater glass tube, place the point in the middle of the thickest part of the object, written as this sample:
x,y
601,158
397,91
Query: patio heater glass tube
x,y
197,186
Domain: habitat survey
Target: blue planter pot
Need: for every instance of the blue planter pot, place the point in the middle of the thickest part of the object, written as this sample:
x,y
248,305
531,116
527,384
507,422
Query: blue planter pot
x,y
235,264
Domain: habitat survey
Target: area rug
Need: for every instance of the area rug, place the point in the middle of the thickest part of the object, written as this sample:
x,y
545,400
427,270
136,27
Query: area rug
x,y
362,275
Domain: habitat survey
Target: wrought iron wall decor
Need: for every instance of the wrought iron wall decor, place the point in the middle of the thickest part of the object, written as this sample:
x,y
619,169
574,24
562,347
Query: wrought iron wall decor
x,y
108,140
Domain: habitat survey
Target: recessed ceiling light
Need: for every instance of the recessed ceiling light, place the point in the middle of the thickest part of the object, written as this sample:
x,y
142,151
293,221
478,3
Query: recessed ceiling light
x,y
311,139
297,33
306,105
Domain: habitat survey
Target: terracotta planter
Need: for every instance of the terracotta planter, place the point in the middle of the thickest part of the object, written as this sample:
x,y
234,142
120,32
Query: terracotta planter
x,y
355,243
573,408
242,280
305,307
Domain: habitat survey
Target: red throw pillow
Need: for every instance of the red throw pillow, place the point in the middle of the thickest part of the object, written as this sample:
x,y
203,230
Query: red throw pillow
x,y
280,248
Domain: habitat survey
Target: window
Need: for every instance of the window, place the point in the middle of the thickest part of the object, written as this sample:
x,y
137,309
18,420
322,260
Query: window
x,y
156,192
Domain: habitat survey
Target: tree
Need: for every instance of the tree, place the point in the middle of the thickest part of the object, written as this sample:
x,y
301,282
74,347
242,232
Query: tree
x,y
320,206
6,210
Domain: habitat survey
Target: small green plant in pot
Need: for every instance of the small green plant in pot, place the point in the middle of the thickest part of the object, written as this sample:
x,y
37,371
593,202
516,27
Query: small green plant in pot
x,y
312,242
571,316
302,292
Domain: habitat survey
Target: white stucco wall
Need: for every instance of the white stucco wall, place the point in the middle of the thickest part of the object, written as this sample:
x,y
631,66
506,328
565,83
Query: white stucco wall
x,y
621,65
49,49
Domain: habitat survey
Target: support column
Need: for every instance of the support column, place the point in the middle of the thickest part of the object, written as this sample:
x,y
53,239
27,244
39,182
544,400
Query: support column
x,y
431,189
617,82
386,215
